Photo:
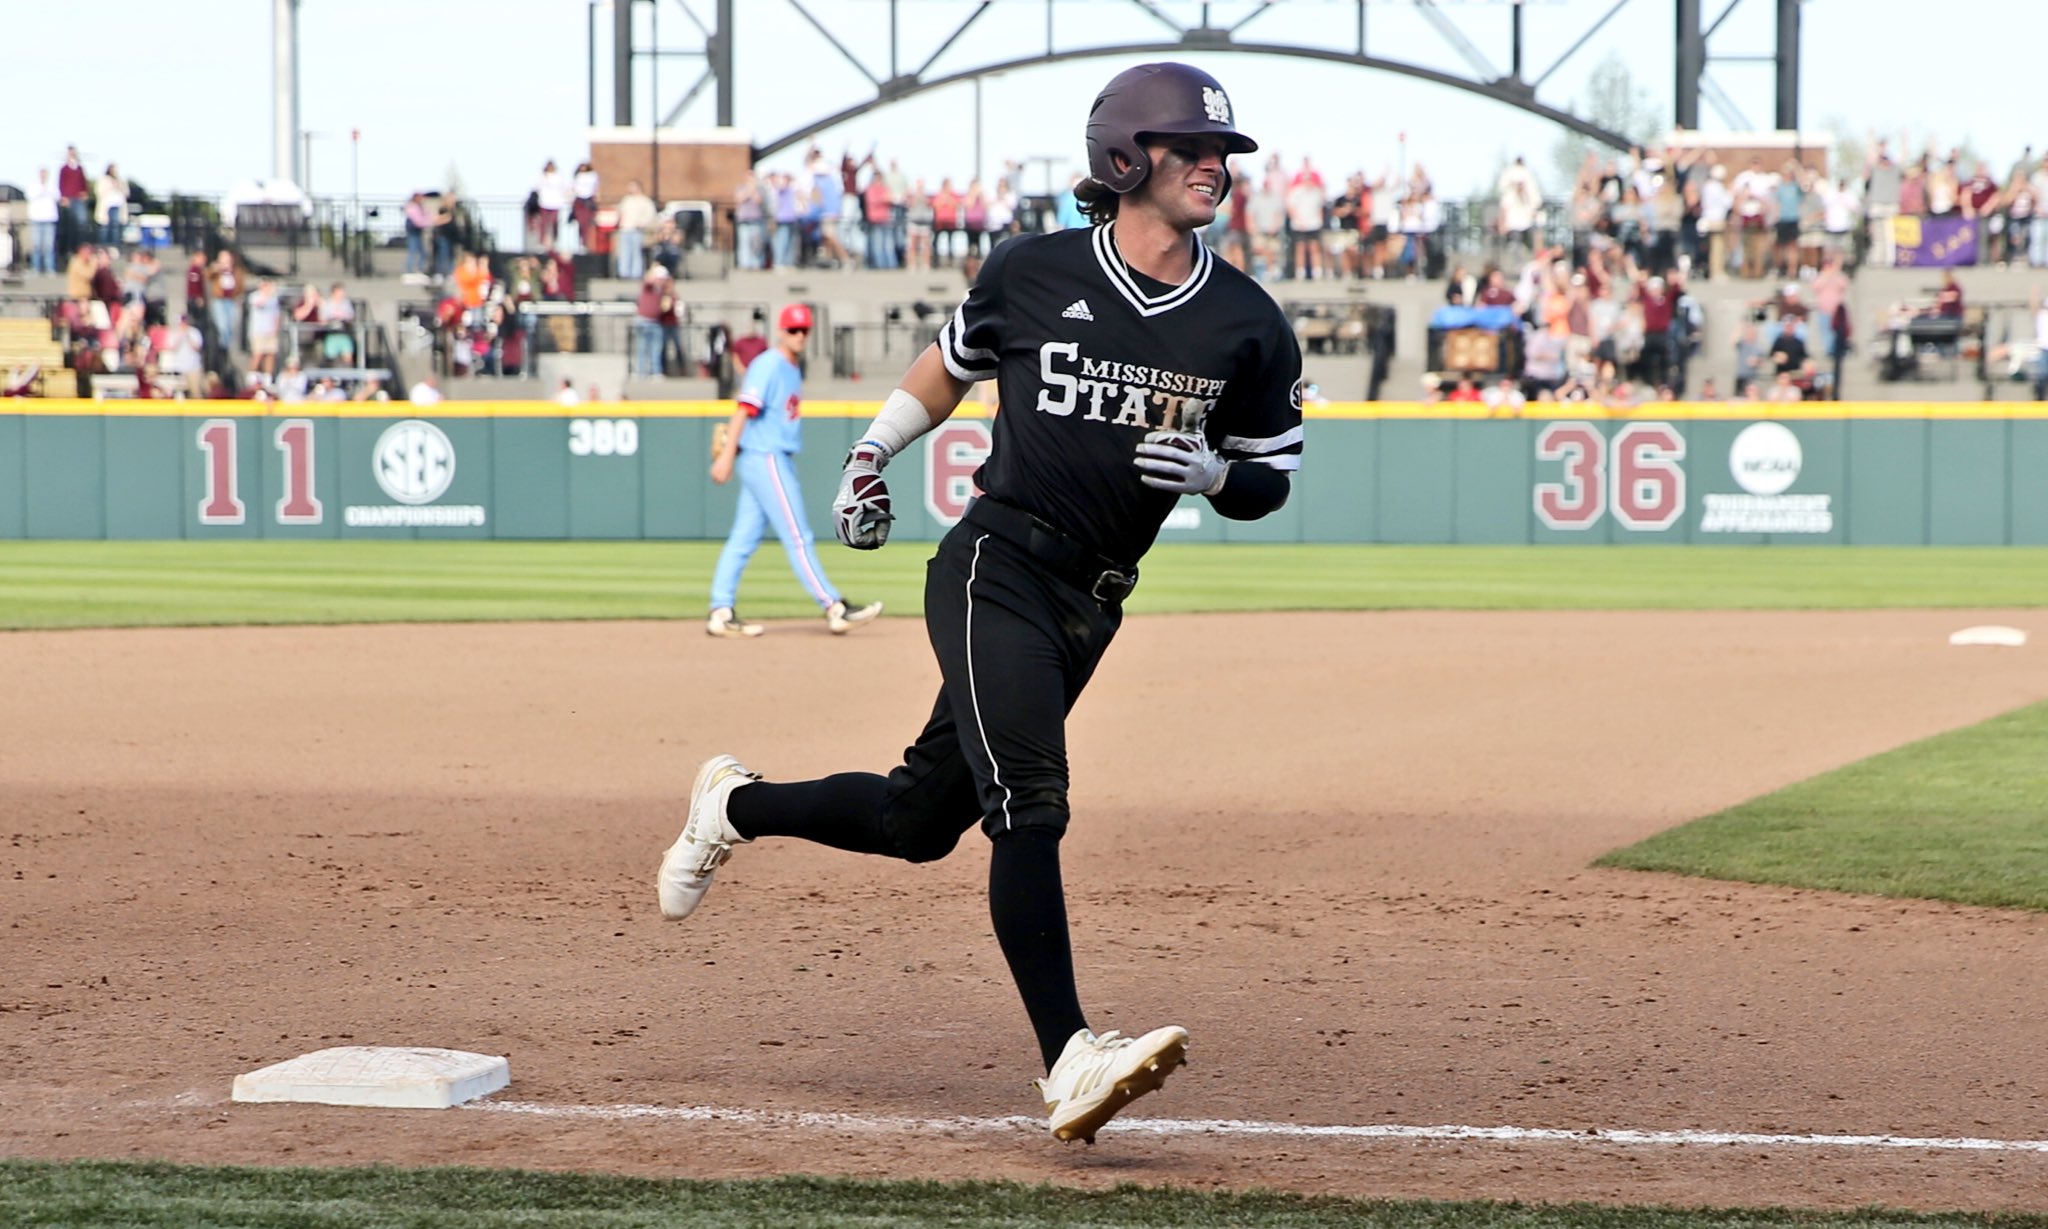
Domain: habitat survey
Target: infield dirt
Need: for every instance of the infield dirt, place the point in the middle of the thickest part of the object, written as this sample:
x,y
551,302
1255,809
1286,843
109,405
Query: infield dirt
x,y
1348,851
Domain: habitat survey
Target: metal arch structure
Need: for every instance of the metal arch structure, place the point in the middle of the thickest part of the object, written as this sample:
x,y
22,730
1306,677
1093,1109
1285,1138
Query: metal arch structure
x,y
1515,87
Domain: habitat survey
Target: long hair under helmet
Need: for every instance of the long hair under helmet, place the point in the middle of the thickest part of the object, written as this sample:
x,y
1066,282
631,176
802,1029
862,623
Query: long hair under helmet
x,y
1156,100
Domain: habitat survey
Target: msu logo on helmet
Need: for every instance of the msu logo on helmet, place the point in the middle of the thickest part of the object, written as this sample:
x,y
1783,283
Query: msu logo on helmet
x,y
1216,103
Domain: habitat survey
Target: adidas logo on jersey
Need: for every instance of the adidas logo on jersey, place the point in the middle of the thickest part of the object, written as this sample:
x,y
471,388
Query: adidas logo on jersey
x,y
1078,310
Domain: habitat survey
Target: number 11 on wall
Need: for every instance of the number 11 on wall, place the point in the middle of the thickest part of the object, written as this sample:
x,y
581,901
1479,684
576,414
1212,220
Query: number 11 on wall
x,y
221,503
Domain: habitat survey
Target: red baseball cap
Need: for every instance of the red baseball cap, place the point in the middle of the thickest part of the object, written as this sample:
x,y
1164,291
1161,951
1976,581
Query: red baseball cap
x,y
795,316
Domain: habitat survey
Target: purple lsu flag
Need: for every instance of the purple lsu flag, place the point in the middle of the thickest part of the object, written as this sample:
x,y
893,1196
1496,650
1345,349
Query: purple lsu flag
x,y
1935,243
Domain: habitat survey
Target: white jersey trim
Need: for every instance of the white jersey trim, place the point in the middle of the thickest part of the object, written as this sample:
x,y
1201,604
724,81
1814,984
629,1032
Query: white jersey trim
x,y
958,355
1126,283
1272,443
1286,462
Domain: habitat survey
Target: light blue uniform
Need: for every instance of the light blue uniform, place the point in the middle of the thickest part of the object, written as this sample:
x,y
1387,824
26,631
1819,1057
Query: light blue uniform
x,y
771,392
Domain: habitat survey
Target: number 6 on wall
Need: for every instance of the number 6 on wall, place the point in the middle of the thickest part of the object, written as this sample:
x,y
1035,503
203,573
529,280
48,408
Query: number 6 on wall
x,y
1646,486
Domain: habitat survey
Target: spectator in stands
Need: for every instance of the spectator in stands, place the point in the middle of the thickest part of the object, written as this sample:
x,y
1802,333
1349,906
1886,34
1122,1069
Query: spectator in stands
x,y
78,273
1948,301
636,214
2017,207
266,320
1305,221
583,206
668,246
1494,290
110,204
142,283
919,219
1913,193
1521,207
1883,182
224,300
749,224
1977,194
1788,203
1664,215
197,279
1504,398
550,195
647,313
1267,217
566,393
750,347
787,211
945,223
106,286
558,274
418,225
371,389
182,357
472,280
1002,211
2037,240
671,331
1754,190
828,202
427,391
1717,206
43,210
878,211
74,193
1944,188
974,218
338,322
899,194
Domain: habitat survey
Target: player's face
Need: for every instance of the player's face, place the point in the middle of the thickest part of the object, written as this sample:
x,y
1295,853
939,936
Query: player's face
x,y
1186,182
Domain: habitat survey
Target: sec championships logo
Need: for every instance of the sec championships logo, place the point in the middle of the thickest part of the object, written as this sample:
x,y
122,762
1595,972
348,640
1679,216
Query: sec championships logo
x,y
414,461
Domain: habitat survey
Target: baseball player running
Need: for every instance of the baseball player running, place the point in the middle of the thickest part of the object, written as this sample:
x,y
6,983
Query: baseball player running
x,y
759,441
1134,368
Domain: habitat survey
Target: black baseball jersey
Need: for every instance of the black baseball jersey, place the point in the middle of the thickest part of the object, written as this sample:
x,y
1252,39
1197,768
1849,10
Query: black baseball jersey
x,y
1089,354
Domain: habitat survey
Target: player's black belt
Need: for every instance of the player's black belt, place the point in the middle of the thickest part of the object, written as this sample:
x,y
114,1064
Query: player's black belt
x,y
1101,578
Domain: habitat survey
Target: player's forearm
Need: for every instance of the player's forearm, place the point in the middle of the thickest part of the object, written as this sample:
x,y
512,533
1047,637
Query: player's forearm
x,y
1250,491
733,427
926,397
938,389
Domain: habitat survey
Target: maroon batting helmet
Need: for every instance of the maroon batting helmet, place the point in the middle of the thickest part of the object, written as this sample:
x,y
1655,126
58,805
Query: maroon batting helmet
x,y
1156,100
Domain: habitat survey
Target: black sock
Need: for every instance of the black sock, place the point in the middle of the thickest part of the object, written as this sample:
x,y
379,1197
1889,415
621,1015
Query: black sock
x,y
1029,909
843,811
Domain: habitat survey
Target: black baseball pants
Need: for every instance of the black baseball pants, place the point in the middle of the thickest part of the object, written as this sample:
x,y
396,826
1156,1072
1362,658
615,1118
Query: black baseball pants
x,y
1015,645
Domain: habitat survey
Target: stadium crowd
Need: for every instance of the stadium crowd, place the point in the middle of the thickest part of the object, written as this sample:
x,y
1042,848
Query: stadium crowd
x,y
1589,285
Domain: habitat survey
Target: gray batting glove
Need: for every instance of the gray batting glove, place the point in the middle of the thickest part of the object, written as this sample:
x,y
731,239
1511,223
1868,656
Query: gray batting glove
x,y
860,508
1180,461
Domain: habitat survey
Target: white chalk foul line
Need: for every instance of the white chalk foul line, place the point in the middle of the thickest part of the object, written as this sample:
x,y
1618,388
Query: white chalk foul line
x,y
883,1124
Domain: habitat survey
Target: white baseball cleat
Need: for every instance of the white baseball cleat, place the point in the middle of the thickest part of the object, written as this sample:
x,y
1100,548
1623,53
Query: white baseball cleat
x,y
707,838
839,619
1097,1076
725,621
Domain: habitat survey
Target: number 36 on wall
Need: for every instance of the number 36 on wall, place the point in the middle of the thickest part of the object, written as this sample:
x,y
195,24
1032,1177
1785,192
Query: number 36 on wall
x,y
1645,486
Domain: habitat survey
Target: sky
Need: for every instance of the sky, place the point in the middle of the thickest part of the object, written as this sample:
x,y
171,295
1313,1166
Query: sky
x,y
487,90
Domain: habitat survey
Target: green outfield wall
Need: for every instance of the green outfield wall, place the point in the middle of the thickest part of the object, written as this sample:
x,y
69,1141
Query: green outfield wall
x,y
1877,473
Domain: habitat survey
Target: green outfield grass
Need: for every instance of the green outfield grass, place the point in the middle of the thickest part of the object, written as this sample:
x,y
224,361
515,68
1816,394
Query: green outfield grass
x,y
120,584
1962,816
151,1196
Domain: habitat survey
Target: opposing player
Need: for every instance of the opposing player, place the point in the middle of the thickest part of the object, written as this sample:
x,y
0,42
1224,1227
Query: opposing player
x,y
1134,368
762,436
